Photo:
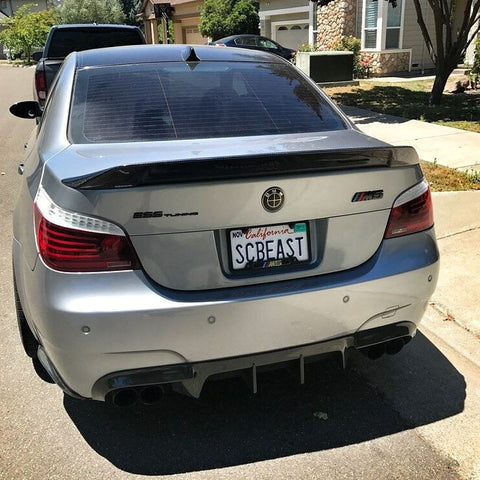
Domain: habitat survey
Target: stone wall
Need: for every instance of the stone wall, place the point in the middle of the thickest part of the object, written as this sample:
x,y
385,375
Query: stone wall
x,y
388,61
334,21
337,20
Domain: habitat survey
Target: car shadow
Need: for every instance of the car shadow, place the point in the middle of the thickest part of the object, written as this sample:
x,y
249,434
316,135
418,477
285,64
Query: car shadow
x,y
230,426
363,117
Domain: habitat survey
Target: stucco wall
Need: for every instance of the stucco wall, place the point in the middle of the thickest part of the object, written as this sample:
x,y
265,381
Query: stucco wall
x,y
277,13
186,15
412,36
265,6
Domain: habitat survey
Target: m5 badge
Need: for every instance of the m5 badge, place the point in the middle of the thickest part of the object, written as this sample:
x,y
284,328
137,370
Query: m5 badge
x,y
370,195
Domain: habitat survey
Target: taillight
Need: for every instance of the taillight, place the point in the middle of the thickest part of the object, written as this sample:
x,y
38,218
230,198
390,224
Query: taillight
x,y
71,242
41,85
412,212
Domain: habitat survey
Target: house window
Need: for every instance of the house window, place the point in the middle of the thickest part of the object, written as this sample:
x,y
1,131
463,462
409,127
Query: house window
x,y
371,18
382,24
394,24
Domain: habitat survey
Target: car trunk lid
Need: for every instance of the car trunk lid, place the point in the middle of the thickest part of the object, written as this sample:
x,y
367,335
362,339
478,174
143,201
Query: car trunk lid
x,y
183,216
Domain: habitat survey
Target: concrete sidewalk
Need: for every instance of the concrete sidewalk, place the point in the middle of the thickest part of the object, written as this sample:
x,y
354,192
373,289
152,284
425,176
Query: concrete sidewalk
x,y
457,226
457,214
447,146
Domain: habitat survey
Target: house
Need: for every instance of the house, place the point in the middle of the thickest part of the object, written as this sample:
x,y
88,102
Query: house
x,y
289,23
389,34
184,15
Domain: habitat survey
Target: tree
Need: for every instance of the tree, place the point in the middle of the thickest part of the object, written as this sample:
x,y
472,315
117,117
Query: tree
x,y
476,61
448,43
221,18
91,11
26,30
130,9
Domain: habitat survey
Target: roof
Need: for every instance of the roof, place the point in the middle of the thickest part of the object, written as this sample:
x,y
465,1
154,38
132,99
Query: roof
x,y
76,26
170,53
146,2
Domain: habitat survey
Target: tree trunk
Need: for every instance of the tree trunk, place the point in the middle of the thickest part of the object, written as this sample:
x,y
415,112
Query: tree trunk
x,y
441,78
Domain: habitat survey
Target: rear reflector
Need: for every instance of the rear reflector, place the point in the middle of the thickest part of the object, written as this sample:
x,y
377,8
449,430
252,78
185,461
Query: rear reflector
x,y
70,242
412,212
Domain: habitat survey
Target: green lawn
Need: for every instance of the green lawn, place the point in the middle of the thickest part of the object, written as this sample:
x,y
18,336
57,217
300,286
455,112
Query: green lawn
x,y
444,179
410,100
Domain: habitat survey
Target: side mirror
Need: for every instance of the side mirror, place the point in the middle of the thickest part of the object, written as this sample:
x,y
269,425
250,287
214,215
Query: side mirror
x,y
28,109
37,56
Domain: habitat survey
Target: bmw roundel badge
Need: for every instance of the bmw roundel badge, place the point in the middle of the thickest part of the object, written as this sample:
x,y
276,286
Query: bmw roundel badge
x,y
273,199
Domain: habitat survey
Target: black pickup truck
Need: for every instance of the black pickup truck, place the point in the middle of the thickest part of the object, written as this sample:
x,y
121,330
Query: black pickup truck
x,y
64,39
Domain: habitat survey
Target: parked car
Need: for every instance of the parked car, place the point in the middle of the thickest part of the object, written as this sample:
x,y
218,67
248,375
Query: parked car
x,y
12,54
190,211
256,42
65,39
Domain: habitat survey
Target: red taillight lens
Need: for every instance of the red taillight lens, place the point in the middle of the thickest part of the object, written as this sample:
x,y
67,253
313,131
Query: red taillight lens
x,y
76,250
40,85
412,212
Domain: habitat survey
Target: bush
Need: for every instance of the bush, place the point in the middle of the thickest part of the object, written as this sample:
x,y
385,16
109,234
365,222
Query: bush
x,y
306,47
475,71
361,61
351,44
221,18
91,11
25,31
476,58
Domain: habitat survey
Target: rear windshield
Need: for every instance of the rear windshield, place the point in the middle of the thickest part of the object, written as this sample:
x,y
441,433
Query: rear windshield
x,y
169,101
65,41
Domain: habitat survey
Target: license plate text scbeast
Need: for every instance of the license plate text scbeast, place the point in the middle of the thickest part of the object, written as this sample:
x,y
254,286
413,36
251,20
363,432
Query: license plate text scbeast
x,y
270,246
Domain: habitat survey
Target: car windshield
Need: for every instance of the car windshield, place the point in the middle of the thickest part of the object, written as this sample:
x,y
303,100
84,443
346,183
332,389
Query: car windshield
x,y
169,101
65,41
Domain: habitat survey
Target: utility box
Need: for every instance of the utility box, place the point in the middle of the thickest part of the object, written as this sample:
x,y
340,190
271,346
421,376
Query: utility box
x,y
324,67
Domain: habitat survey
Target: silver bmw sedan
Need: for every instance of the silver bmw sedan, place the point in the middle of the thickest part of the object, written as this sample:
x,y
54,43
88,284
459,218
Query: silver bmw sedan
x,y
188,211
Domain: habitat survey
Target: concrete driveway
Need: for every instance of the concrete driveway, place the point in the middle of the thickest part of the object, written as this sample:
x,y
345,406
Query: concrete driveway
x,y
434,143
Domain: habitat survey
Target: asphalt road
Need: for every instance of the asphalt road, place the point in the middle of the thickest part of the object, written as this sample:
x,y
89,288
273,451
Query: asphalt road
x,y
390,419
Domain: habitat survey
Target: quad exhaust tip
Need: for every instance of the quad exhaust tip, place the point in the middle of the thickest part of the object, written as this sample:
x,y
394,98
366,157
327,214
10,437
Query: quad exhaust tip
x,y
127,397
391,347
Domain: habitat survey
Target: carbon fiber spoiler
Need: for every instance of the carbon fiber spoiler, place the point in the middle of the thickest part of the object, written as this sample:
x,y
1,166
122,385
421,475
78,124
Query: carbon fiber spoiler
x,y
229,168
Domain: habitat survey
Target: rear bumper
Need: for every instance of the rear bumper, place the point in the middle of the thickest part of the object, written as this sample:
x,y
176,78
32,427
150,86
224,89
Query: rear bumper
x,y
191,376
91,327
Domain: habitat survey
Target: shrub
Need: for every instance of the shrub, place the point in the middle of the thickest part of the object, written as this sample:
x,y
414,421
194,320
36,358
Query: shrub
x,y
475,71
349,43
306,47
361,61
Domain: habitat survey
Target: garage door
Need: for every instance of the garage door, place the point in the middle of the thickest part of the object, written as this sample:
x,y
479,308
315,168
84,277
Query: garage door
x,y
193,37
292,36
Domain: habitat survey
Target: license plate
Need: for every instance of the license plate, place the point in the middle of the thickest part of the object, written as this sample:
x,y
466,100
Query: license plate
x,y
270,246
